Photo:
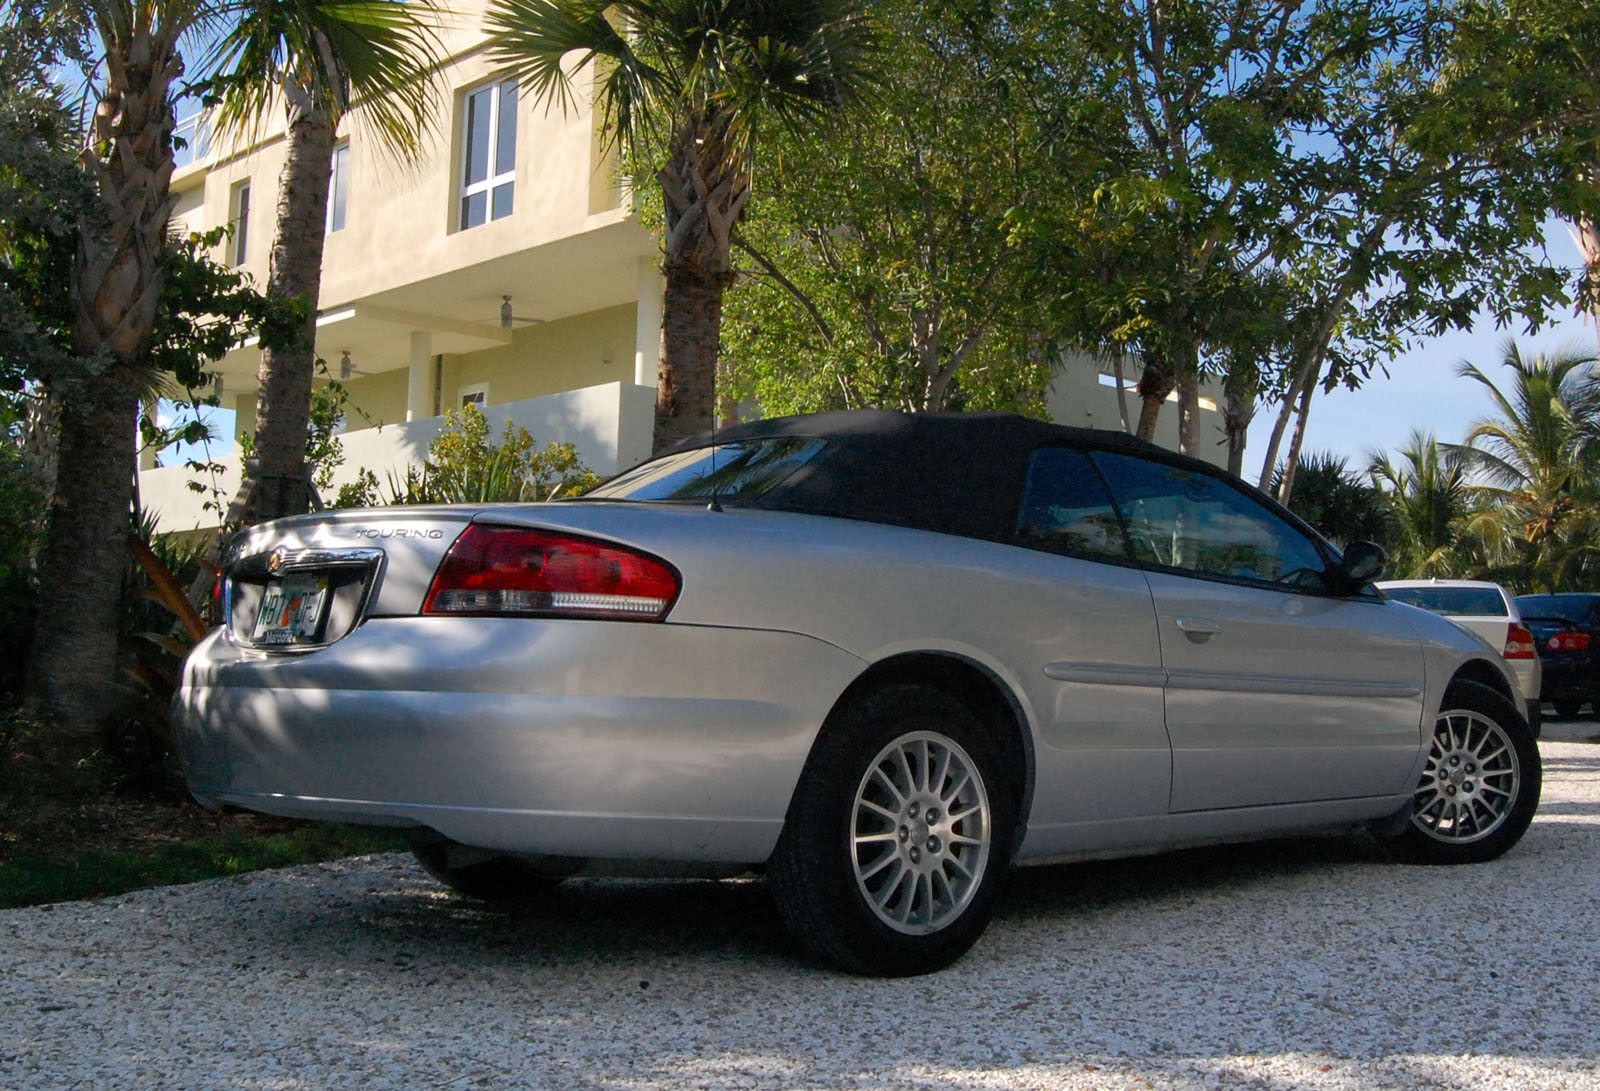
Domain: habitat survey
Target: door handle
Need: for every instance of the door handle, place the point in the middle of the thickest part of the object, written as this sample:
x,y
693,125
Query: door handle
x,y
1198,629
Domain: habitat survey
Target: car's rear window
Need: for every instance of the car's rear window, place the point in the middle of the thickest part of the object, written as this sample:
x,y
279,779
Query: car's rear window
x,y
1452,601
728,471
1578,609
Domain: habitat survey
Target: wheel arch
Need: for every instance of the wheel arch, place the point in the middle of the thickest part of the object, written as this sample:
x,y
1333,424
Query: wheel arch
x,y
974,685
1485,673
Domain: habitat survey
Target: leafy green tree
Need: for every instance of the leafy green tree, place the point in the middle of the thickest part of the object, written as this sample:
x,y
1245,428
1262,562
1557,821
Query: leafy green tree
x,y
323,60
891,263
691,87
1524,74
1538,461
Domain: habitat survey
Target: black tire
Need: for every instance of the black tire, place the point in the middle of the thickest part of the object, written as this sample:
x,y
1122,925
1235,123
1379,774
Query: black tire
x,y
1480,787
491,878
1568,710
842,868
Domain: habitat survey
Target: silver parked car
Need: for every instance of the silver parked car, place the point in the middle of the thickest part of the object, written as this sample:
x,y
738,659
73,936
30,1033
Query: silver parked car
x,y
881,657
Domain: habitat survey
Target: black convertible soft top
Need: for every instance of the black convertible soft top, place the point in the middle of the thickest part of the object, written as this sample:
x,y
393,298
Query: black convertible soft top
x,y
957,473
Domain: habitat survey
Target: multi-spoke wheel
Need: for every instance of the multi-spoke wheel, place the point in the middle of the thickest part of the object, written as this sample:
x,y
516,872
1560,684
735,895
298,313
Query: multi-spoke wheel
x,y
898,834
1471,779
1480,785
920,833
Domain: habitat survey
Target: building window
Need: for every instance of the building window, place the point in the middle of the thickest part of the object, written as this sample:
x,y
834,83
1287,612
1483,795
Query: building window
x,y
488,153
338,186
476,395
239,220
191,140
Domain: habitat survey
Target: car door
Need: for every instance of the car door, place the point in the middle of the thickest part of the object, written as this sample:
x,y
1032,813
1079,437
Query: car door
x,y
1276,691
1089,630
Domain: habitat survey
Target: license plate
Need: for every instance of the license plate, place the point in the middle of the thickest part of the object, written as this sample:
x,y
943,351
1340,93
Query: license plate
x,y
291,610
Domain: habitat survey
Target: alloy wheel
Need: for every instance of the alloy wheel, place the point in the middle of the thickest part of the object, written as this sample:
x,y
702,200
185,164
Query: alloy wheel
x,y
920,833
1471,780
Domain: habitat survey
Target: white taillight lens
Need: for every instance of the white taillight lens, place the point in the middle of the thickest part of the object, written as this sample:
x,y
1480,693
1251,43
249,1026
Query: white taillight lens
x,y
1519,643
510,572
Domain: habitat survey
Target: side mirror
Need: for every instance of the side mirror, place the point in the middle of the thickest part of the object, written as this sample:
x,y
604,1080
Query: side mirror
x,y
1363,562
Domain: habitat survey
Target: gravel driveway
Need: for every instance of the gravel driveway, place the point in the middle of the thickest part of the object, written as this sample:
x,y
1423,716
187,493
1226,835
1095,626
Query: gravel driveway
x,y
1300,964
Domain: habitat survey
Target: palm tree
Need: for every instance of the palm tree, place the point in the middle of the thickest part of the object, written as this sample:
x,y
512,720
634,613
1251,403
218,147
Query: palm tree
x,y
321,58
1334,499
1428,497
688,84
118,273
1538,461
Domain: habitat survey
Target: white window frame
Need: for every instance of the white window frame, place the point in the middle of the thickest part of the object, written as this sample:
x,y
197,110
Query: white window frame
x,y
491,180
339,187
475,394
239,217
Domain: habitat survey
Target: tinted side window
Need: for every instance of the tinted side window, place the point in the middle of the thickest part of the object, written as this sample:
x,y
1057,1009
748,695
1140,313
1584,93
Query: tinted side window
x,y
1065,508
1178,518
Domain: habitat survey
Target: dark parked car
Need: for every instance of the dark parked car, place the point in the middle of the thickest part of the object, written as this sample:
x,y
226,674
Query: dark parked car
x,y
1566,633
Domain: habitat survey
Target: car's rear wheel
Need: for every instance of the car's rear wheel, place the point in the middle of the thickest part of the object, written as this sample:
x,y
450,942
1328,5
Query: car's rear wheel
x,y
479,874
898,836
1480,786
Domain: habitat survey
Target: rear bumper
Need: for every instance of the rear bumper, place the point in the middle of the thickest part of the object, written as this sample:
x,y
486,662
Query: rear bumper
x,y
589,739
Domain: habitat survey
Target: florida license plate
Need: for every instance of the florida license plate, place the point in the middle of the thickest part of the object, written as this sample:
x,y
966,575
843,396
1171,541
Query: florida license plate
x,y
292,609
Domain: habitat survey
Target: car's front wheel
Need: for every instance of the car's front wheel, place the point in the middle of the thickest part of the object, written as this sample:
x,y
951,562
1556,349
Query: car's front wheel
x,y
1480,786
898,835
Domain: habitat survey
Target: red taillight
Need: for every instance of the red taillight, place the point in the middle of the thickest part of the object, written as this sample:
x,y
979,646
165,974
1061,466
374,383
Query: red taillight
x,y
1519,643
508,572
1568,642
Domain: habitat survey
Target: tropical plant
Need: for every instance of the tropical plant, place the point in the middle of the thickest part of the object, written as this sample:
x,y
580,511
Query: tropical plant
x,y
1336,501
322,59
1428,496
688,86
466,466
1536,464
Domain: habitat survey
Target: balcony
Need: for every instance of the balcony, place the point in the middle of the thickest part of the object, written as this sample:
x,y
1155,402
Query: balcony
x,y
610,425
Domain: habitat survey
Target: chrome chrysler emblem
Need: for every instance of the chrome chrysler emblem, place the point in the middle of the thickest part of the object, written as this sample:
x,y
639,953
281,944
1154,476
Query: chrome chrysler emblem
x,y
275,562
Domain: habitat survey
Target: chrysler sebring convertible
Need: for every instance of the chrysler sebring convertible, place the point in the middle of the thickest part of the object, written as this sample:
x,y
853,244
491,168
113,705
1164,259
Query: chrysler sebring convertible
x,y
880,658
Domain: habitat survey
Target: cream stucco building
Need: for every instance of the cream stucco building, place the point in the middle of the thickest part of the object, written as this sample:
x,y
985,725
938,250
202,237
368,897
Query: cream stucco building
x,y
503,267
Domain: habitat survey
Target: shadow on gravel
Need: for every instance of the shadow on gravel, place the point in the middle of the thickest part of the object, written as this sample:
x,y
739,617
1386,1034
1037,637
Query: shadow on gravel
x,y
621,921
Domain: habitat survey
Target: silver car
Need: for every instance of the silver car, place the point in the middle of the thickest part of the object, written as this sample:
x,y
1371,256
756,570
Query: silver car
x,y
880,657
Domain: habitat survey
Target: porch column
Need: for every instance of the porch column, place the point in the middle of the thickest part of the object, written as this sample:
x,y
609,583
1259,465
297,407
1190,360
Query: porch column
x,y
419,379
647,322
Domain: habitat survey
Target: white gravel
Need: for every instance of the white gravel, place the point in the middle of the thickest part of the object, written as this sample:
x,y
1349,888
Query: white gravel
x,y
1301,964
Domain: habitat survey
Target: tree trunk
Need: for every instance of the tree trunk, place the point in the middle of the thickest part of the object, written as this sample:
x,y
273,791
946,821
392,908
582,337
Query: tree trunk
x,y
118,274
691,322
1292,462
1588,236
1240,388
704,193
1118,359
1155,384
274,482
1189,412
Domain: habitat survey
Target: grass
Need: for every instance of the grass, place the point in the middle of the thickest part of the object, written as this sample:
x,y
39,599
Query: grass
x,y
39,879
